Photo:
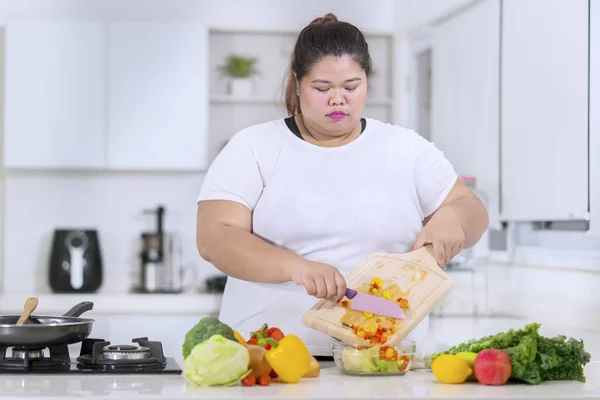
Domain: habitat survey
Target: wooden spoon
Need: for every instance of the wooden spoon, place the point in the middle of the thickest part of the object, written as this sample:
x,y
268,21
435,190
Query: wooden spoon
x,y
30,305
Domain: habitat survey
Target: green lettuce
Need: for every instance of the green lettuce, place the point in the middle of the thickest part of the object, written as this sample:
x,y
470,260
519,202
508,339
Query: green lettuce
x,y
217,361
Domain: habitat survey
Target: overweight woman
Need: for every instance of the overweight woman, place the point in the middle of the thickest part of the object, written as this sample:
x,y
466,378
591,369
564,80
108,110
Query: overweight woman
x,y
291,206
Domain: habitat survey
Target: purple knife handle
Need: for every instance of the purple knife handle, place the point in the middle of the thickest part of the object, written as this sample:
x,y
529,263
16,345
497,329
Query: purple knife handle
x,y
350,293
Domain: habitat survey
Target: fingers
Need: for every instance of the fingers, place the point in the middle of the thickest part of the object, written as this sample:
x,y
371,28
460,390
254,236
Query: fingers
x,y
324,282
440,253
331,286
310,287
340,283
321,286
420,242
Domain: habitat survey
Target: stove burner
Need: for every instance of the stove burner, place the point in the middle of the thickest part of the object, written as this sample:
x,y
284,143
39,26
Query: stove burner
x,y
126,352
100,354
33,359
97,356
32,354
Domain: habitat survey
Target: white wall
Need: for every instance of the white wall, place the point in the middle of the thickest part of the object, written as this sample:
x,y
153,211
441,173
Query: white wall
x,y
412,14
35,203
378,16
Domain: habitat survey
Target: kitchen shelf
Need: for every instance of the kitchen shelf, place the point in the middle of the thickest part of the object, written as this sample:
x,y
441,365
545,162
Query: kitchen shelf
x,y
225,99
117,303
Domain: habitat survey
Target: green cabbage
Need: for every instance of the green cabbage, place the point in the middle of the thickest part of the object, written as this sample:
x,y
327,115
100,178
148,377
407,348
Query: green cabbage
x,y
217,361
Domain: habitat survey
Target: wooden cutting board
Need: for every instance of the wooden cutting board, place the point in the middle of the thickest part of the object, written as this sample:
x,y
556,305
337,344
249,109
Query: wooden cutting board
x,y
413,276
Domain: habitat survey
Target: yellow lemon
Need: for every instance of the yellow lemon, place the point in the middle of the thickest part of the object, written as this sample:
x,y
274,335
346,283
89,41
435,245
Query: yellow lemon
x,y
239,337
470,357
449,368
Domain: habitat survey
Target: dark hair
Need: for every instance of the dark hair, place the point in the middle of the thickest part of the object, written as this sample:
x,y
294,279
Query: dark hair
x,y
324,36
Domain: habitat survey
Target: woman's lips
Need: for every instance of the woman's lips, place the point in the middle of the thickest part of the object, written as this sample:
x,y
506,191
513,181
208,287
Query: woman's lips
x,y
337,115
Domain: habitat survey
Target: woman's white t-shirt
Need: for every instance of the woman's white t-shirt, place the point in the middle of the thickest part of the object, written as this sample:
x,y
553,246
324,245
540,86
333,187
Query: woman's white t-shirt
x,y
335,205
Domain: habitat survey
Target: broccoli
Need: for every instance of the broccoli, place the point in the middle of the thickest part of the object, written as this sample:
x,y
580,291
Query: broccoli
x,y
203,330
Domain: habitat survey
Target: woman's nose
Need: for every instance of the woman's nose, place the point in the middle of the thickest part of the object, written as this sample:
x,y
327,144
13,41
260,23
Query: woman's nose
x,y
337,98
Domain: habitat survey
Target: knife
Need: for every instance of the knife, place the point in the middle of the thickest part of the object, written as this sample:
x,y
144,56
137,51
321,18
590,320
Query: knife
x,y
374,305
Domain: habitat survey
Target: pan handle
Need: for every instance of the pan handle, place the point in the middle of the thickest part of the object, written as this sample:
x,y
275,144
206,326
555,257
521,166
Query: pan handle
x,y
79,309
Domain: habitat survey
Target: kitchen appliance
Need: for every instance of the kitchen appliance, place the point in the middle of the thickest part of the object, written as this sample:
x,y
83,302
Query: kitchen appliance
x,y
47,330
96,356
41,345
160,268
216,284
374,305
75,264
414,277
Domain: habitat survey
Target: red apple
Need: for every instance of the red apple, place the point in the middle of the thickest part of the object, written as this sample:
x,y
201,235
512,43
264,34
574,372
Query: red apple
x,y
492,367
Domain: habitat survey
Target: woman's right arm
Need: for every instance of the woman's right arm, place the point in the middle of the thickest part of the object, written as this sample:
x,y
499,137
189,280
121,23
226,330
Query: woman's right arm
x,y
224,238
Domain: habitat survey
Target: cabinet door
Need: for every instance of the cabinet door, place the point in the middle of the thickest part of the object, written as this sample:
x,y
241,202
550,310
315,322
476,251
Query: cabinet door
x,y
465,79
544,110
595,117
54,95
157,96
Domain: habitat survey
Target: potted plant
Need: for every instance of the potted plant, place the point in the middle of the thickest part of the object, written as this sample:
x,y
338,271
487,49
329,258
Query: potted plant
x,y
240,70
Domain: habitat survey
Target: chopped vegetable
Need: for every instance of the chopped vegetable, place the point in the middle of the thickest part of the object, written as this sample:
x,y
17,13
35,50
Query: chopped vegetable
x,y
217,361
203,330
289,358
534,358
402,302
376,359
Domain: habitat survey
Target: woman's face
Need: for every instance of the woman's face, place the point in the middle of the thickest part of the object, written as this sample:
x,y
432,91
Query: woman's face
x,y
332,96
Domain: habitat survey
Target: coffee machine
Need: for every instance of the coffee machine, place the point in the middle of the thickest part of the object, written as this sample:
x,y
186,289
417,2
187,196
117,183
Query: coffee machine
x,y
160,269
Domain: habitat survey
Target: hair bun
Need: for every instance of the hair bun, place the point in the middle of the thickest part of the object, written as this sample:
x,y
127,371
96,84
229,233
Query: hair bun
x,y
329,17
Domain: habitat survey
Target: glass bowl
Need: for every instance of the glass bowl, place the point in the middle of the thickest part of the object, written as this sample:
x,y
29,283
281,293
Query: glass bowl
x,y
379,359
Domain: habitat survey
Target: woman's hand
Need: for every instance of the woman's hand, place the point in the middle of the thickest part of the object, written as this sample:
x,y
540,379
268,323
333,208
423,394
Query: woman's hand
x,y
320,280
445,233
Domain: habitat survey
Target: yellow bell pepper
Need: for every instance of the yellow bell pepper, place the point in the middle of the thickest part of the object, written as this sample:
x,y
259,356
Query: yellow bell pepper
x,y
238,336
289,358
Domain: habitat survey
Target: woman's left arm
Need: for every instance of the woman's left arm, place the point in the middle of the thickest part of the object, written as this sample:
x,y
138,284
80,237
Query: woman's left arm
x,y
459,222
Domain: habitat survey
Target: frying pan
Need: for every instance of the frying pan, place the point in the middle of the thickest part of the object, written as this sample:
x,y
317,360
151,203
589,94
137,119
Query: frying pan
x,y
44,331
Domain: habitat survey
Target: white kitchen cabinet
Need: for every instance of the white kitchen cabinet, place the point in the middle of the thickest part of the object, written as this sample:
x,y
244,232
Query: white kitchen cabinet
x,y
54,95
544,110
158,96
465,95
595,117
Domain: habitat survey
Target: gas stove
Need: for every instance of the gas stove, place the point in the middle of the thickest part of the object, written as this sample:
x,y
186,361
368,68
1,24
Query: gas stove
x,y
97,356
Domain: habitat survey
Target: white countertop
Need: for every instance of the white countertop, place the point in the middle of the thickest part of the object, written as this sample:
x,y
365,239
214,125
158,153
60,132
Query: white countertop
x,y
332,384
117,303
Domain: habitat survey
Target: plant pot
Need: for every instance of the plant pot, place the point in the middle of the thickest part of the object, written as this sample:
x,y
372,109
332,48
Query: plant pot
x,y
240,87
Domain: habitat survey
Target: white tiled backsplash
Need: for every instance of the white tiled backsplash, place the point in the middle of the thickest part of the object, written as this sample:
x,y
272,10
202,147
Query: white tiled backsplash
x,y
561,299
36,204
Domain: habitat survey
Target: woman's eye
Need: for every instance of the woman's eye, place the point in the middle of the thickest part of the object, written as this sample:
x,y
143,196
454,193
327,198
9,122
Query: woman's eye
x,y
321,89
351,88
